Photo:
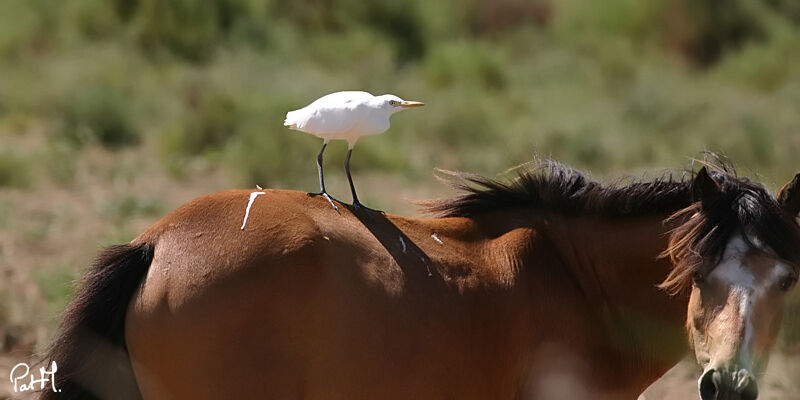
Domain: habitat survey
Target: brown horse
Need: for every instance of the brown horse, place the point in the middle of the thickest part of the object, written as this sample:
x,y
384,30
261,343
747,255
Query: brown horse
x,y
551,286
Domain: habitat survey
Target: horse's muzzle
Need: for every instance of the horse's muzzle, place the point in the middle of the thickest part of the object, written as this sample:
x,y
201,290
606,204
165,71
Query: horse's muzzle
x,y
720,384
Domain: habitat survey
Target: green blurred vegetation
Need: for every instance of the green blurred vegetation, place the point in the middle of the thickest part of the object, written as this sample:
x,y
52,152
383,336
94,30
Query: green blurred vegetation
x,y
613,86
14,171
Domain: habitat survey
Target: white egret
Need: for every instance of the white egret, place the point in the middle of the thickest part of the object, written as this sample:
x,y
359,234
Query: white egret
x,y
346,116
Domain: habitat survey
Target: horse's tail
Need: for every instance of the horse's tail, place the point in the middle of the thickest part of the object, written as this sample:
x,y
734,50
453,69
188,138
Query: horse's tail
x,y
89,348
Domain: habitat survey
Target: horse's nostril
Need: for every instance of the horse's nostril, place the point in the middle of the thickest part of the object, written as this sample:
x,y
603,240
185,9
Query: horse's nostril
x,y
747,386
709,384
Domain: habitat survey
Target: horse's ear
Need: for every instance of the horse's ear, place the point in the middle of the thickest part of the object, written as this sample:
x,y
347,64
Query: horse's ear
x,y
789,196
704,188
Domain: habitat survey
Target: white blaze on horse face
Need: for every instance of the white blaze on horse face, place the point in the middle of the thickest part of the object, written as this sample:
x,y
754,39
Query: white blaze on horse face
x,y
746,287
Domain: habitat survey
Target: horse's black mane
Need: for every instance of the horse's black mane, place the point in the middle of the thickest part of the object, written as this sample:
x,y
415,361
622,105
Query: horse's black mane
x,y
556,187
704,226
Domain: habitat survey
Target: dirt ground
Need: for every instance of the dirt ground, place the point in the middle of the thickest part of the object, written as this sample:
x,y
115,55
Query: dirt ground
x,y
779,383
7,362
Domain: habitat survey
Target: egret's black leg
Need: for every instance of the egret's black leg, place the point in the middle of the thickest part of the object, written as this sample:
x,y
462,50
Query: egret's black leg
x,y
349,178
356,204
321,179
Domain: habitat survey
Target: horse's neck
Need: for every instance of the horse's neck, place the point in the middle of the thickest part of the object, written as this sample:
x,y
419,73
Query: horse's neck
x,y
617,266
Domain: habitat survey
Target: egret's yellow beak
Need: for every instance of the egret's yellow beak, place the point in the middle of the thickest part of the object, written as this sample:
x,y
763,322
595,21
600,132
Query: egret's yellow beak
x,y
410,104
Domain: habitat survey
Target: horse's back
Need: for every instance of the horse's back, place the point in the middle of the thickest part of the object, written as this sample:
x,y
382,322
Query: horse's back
x,y
190,313
308,302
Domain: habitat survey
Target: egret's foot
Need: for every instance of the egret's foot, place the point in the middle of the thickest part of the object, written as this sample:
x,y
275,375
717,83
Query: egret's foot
x,y
357,206
327,197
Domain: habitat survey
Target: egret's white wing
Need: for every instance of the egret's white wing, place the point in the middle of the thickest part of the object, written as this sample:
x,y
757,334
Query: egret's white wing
x,y
330,115
341,98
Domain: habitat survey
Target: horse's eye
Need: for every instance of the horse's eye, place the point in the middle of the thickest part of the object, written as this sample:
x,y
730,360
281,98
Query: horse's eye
x,y
787,283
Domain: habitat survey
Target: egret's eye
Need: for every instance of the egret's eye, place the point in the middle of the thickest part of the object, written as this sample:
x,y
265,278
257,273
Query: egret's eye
x,y
394,103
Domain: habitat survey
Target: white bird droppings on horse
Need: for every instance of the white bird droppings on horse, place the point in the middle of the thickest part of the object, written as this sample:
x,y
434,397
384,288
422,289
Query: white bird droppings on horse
x,y
253,196
421,258
426,266
325,195
436,238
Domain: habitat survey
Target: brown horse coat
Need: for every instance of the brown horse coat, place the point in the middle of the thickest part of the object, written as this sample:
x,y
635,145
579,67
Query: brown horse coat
x,y
550,286
310,303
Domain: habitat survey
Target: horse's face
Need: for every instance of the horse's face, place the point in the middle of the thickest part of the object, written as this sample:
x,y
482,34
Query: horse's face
x,y
733,319
736,303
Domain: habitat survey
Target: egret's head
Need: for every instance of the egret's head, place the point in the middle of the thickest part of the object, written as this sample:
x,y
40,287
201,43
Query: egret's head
x,y
394,104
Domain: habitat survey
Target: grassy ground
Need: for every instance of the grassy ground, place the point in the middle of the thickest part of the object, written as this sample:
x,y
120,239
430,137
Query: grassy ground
x,y
113,113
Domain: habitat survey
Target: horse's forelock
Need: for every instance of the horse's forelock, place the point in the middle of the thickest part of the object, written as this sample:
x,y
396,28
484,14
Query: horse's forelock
x,y
697,244
775,229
